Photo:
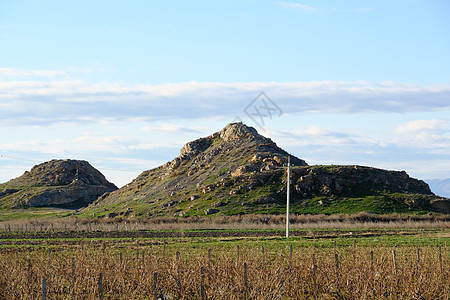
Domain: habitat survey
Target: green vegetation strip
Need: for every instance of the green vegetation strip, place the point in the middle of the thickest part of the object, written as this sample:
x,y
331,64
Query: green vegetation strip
x,y
230,238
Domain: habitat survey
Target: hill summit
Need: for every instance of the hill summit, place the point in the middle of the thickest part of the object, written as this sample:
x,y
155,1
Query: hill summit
x,y
204,169
67,182
238,171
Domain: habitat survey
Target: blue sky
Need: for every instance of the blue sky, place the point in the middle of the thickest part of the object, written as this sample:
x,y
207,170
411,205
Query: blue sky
x,y
124,84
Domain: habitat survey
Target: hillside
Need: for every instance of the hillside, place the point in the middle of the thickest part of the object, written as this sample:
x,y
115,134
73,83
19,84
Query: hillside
x,y
71,183
238,171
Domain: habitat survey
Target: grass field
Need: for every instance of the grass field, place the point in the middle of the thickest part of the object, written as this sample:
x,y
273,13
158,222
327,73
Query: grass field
x,y
317,263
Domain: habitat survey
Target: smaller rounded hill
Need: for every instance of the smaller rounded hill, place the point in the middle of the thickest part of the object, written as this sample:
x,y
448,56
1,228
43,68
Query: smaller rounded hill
x,y
72,183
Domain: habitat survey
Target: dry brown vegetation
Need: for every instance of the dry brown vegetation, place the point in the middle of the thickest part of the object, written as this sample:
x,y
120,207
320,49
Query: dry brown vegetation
x,y
248,272
361,220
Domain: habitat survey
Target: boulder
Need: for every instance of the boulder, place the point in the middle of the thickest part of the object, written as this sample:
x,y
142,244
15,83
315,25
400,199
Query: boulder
x,y
211,211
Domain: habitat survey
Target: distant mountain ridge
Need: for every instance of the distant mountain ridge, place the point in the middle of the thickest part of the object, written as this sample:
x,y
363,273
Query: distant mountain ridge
x,y
440,187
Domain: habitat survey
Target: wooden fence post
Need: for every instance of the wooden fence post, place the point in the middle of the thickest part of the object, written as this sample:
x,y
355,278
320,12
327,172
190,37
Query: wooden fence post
x,y
336,260
155,286
44,288
100,286
394,258
29,266
49,257
245,281
314,276
418,255
209,255
72,292
371,263
202,284
73,267
30,275
280,283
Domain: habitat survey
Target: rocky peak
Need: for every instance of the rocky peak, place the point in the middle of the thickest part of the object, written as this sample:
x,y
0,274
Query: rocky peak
x,y
231,133
63,172
236,131
236,141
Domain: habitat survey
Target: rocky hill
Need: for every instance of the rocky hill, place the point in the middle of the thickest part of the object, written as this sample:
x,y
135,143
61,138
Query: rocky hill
x,y
238,171
73,183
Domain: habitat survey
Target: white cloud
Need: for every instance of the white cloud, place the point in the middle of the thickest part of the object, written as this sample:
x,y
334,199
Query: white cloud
x,y
298,7
315,131
169,128
155,145
60,101
63,146
424,134
315,136
20,73
418,126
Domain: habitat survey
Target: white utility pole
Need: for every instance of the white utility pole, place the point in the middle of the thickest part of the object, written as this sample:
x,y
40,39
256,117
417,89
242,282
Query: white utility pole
x,y
288,192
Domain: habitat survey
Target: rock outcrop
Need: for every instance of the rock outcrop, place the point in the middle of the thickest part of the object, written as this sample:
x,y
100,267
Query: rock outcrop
x,y
57,182
354,180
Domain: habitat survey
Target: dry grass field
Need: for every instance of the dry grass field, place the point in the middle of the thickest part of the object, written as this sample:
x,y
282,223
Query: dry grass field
x,y
332,264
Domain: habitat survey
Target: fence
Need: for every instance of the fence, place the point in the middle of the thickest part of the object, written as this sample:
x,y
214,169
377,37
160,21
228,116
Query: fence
x,y
103,271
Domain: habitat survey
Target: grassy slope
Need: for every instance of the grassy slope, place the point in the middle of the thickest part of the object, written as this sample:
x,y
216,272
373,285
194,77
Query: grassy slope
x,y
358,200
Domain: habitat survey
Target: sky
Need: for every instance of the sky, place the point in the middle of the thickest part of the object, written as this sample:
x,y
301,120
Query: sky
x,y
125,84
